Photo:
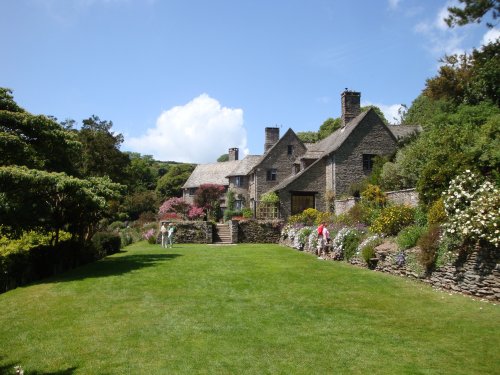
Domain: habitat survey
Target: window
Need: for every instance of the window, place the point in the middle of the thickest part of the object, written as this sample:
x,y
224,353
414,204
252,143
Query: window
x,y
290,149
238,181
238,205
368,162
192,191
271,175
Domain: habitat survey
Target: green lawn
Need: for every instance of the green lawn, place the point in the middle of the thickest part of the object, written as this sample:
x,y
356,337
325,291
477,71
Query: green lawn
x,y
246,309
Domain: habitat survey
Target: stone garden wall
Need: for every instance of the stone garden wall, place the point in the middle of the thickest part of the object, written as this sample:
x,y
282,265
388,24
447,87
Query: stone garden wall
x,y
407,196
476,272
259,231
192,232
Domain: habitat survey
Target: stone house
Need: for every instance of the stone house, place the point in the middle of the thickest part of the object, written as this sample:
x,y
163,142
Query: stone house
x,y
305,175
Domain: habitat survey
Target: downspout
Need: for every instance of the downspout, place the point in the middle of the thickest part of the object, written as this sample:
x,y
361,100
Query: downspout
x,y
334,177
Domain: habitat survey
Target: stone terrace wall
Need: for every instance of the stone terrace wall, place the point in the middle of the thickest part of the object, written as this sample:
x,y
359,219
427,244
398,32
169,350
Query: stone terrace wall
x,y
192,232
475,273
407,196
259,231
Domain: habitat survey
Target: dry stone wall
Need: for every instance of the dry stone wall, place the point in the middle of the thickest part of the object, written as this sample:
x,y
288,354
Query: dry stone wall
x,y
259,231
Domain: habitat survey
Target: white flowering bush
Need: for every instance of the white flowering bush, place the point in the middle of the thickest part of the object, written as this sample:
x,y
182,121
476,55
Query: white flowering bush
x,y
345,243
372,241
473,209
297,234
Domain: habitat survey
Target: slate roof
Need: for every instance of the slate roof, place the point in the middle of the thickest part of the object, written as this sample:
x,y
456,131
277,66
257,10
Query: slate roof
x,y
245,165
213,173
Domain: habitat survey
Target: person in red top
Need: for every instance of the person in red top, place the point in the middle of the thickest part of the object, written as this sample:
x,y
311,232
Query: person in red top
x,y
321,239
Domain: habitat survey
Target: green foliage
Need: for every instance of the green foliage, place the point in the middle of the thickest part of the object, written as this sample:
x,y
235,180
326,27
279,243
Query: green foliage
x,y
328,127
308,217
362,212
223,158
374,196
429,244
101,155
270,198
437,213
472,12
420,216
51,202
351,243
139,202
229,214
367,253
247,213
170,184
392,219
106,243
308,137
409,236
230,199
304,234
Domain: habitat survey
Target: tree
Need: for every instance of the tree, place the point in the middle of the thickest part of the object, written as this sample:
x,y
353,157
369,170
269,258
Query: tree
x,y
328,127
34,141
308,137
473,12
44,201
223,158
208,197
101,155
141,172
139,202
170,184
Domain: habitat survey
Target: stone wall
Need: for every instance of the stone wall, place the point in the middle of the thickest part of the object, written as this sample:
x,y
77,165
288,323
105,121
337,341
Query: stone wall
x,y
407,196
259,231
193,232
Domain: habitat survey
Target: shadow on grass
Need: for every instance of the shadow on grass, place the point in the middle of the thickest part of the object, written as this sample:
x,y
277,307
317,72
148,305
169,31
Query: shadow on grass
x,y
10,368
113,266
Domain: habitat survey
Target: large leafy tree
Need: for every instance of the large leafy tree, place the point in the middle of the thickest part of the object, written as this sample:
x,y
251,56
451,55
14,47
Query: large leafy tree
x,y
32,199
34,141
101,155
170,184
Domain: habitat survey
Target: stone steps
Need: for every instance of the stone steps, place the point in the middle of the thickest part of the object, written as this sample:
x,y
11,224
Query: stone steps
x,y
223,234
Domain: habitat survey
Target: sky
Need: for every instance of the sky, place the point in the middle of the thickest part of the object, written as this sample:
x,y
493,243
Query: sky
x,y
186,80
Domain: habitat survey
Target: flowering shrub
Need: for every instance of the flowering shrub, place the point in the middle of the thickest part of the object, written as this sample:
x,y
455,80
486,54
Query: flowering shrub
x,y
345,243
374,196
196,213
174,205
437,213
150,236
473,209
372,241
307,217
392,219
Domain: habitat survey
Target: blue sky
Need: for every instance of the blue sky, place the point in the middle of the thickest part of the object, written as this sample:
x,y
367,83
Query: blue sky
x,y
185,80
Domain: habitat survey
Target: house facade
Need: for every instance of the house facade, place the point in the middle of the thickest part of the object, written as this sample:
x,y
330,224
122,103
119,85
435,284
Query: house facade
x,y
305,175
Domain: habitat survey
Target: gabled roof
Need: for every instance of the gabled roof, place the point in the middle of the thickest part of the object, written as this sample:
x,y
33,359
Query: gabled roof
x,y
329,145
245,165
214,173
269,152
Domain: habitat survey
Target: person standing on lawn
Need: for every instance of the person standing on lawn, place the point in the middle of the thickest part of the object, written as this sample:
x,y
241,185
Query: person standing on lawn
x,y
170,239
163,231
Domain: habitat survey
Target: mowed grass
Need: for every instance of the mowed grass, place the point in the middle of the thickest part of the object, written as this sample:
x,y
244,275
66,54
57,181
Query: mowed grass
x,y
246,309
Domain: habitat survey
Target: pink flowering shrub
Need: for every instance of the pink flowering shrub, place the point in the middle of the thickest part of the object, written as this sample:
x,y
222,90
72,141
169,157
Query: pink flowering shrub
x,y
196,213
174,205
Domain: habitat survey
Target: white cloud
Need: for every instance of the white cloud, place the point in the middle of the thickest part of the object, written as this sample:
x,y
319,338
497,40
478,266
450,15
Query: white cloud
x,y
197,132
390,111
441,40
490,36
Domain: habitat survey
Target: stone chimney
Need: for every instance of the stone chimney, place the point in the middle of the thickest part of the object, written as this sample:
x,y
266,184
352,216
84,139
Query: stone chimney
x,y
272,136
350,105
233,154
